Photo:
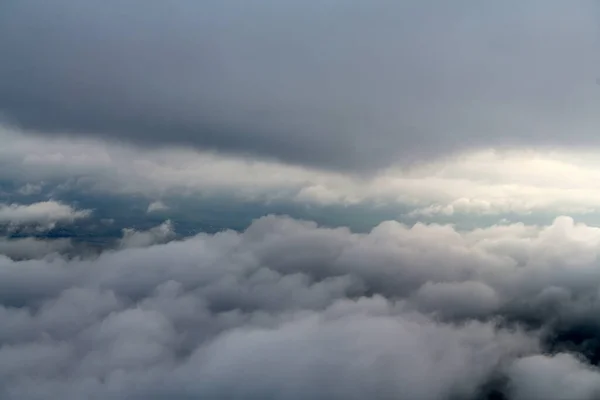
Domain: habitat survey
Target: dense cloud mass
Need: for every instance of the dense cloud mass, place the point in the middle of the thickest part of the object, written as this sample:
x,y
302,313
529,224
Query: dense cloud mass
x,y
352,85
290,310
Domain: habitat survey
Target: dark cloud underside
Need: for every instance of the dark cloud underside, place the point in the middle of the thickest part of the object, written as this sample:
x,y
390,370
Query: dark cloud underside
x,y
339,84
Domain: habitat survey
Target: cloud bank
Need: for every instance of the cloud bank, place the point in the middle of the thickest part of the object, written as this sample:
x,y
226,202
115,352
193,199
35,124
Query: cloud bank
x,y
343,85
290,310
485,183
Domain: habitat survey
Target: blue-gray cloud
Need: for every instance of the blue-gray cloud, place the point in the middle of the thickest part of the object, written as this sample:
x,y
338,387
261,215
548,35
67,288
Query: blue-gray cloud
x,y
339,84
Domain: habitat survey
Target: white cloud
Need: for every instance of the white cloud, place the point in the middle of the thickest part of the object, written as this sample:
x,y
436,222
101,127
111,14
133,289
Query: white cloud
x,y
286,307
487,182
159,234
157,206
43,214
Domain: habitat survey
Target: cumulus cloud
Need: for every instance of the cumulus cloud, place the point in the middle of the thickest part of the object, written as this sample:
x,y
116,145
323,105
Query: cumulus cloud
x,y
44,215
342,85
288,309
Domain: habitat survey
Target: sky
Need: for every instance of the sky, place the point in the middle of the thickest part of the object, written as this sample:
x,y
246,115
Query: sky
x,y
290,199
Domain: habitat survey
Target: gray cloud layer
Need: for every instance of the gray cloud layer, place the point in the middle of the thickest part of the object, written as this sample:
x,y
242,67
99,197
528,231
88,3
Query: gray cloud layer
x,y
338,84
288,310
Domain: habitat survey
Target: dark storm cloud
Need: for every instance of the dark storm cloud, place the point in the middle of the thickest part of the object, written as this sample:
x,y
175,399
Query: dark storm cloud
x,y
338,84
289,310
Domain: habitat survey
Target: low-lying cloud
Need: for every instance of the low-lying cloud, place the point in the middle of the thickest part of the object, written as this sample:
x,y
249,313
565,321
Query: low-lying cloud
x,y
159,234
290,310
487,183
32,248
43,215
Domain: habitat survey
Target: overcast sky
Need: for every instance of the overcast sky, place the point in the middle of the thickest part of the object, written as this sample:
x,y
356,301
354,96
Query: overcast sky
x,y
437,162
350,85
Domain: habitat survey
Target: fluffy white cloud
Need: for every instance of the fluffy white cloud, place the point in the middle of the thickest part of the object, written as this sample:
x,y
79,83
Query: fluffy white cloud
x,y
159,234
44,214
289,310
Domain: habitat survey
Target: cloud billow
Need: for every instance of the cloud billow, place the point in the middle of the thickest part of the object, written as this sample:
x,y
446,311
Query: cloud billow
x,y
290,310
